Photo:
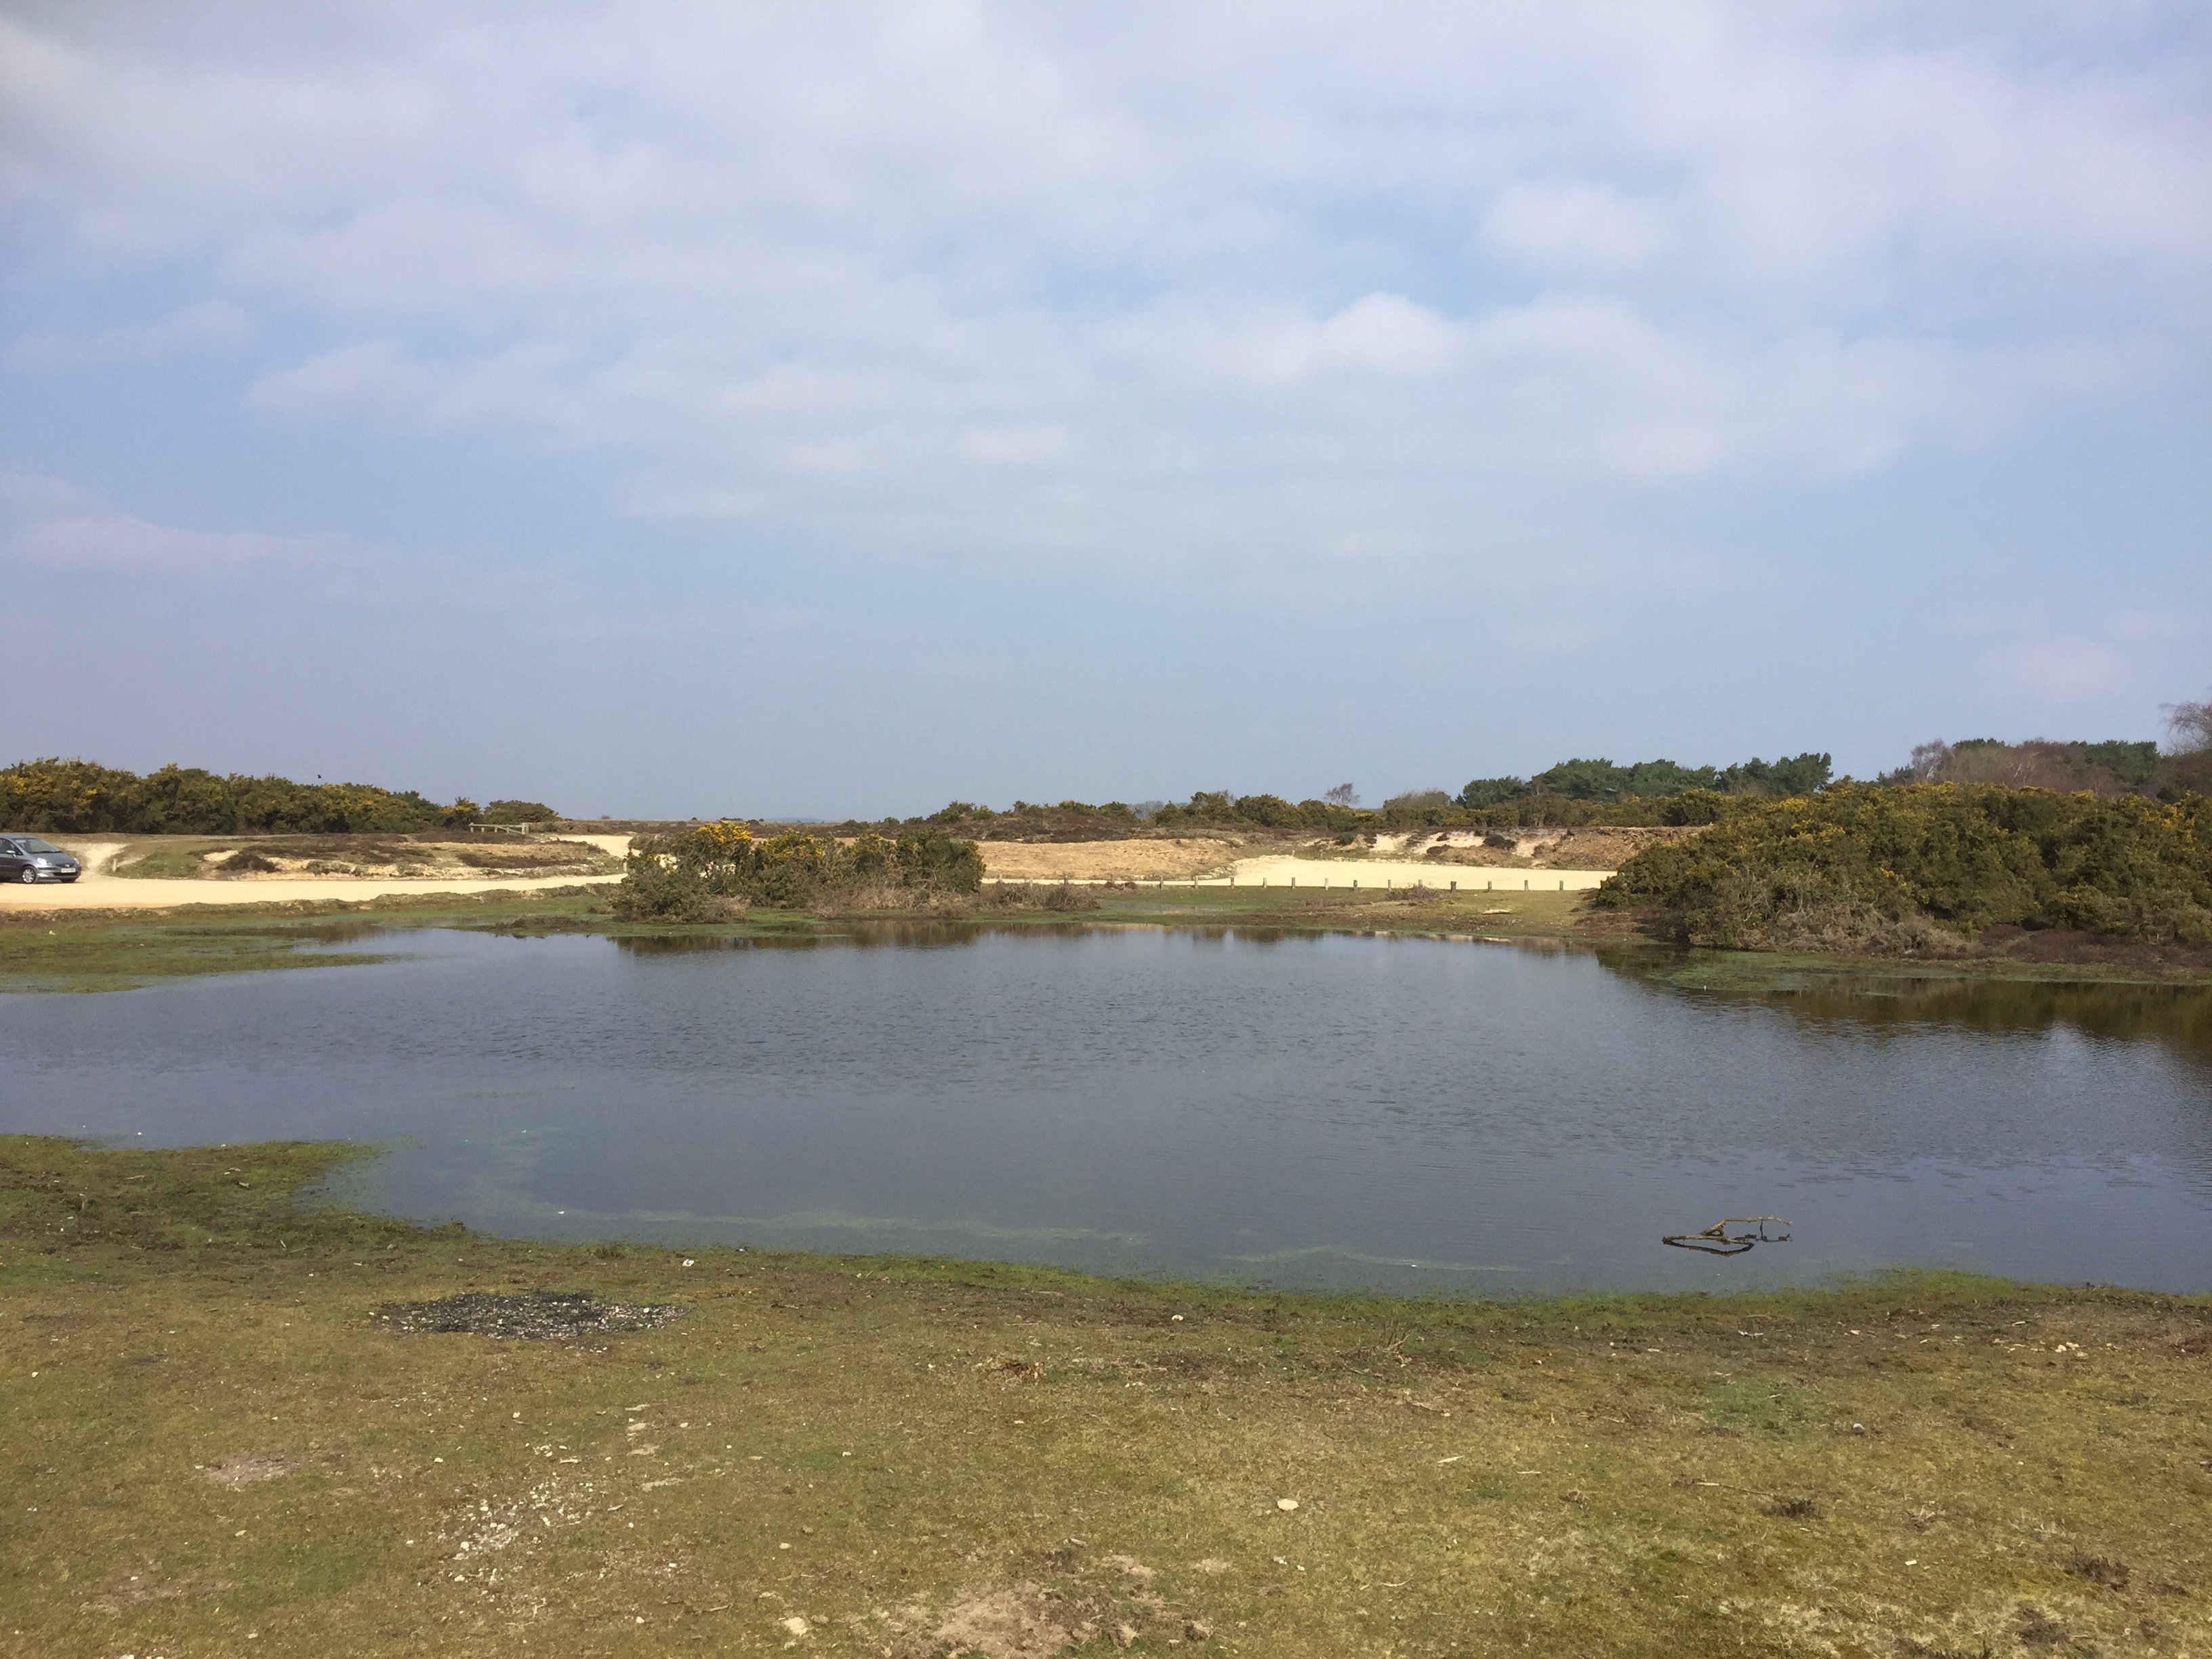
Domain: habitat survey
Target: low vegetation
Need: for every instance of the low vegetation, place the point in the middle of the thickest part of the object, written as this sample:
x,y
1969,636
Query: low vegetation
x,y
520,812
1654,780
236,1424
77,796
1243,817
1927,867
715,868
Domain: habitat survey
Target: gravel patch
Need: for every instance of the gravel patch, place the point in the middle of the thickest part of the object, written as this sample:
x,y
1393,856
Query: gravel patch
x,y
541,1315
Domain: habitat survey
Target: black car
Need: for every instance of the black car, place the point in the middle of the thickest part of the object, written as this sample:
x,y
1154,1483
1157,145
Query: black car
x,y
26,858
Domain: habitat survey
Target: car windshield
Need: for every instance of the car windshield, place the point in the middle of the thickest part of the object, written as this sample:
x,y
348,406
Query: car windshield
x,y
33,844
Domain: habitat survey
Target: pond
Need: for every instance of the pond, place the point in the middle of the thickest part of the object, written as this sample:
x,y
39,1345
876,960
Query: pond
x,y
1407,1114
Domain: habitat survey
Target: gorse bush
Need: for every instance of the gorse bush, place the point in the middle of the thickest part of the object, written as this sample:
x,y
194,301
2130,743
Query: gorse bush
x,y
75,796
520,812
724,860
1867,867
651,890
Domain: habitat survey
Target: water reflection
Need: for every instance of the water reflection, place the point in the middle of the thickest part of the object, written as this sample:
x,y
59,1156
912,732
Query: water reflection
x,y
1249,1102
2178,1016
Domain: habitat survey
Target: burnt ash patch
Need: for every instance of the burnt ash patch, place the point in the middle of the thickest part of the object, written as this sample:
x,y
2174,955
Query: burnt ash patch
x,y
537,1315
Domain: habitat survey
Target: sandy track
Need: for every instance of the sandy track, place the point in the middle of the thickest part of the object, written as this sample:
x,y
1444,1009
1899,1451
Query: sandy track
x,y
92,892
96,890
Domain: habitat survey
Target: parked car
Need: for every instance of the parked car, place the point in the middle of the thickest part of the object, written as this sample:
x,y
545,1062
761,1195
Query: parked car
x,y
26,859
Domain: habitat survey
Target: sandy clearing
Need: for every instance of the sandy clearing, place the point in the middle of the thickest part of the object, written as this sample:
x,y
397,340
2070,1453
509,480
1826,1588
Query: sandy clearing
x,y
1103,860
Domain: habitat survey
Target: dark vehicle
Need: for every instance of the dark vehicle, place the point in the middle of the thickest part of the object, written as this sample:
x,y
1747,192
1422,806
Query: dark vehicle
x,y
26,858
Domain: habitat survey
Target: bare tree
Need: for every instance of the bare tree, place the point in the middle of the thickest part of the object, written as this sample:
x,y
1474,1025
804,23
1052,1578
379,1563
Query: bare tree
x,y
1930,761
1343,795
2191,723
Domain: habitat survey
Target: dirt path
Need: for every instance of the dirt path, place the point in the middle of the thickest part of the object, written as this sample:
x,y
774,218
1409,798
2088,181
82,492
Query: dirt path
x,y
98,890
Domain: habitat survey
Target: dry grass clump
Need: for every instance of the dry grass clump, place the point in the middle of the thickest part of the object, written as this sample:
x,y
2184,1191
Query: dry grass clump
x,y
1850,927
1027,896
1420,893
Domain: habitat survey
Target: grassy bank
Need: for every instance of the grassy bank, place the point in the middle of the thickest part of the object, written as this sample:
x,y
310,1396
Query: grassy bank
x,y
211,1445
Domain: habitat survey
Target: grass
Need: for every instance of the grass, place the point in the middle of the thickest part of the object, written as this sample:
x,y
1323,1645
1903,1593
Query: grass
x,y
76,958
207,1445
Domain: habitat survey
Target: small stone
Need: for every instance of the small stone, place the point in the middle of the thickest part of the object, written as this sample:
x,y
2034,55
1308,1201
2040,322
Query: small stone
x,y
1124,1635
1197,1630
795,1627
1286,1504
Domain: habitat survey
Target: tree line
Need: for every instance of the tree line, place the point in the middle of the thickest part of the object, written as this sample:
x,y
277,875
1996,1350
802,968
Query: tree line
x,y
78,797
1596,792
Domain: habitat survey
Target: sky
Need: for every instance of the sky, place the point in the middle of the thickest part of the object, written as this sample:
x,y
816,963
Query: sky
x,y
836,410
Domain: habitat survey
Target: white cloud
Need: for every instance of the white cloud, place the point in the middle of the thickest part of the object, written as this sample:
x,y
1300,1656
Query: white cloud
x,y
204,326
1208,281
2054,662
1575,226
2061,669
62,525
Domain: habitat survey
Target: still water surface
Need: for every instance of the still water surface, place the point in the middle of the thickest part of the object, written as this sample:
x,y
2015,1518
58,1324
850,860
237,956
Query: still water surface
x,y
1398,1113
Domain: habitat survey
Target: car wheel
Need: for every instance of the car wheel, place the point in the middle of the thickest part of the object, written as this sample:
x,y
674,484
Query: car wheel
x,y
28,876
